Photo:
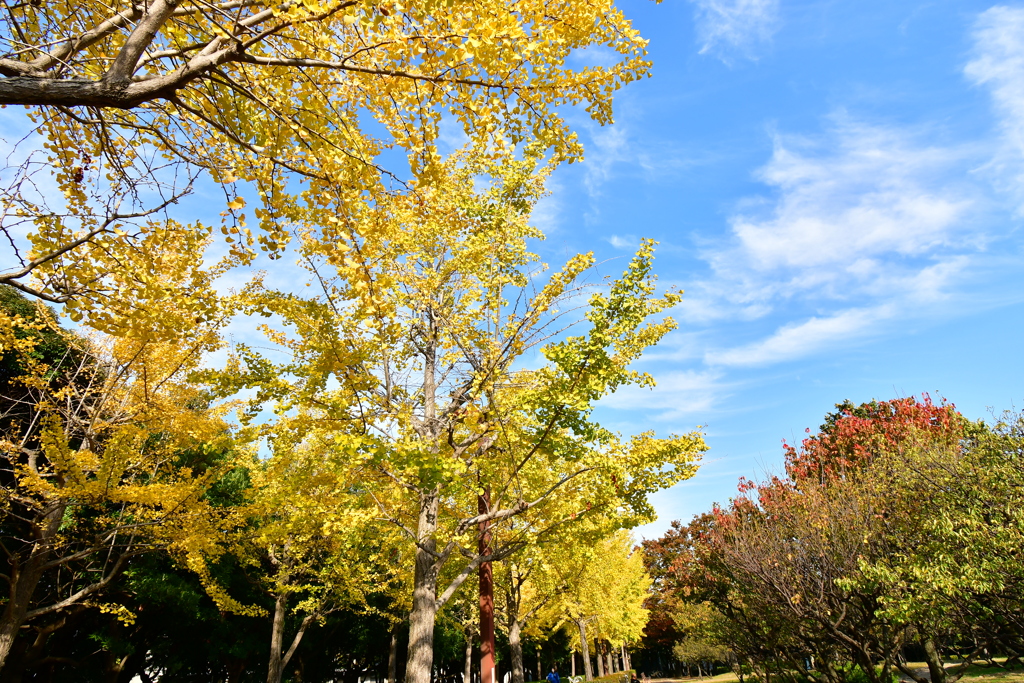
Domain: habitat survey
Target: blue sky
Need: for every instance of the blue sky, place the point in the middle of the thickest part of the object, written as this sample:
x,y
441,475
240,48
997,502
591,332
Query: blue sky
x,y
837,186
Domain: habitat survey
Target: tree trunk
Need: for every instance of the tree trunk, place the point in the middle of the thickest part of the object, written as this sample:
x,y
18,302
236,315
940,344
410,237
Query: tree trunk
x,y
279,661
934,658
424,595
573,664
585,648
600,658
24,580
393,658
276,665
10,624
515,644
487,649
306,621
467,670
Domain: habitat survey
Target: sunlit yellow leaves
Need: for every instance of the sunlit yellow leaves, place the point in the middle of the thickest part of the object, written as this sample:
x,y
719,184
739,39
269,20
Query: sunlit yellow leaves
x,y
404,381
604,585
111,438
501,74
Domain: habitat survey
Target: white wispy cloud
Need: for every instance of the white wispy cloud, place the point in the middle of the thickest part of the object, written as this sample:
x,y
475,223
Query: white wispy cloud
x,y
998,64
624,241
863,204
796,340
876,214
606,147
547,212
729,27
679,395
865,213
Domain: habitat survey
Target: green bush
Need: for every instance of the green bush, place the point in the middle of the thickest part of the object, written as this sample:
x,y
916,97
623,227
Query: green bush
x,y
854,674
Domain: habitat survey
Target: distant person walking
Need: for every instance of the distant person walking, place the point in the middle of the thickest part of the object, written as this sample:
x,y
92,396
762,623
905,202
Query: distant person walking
x,y
553,677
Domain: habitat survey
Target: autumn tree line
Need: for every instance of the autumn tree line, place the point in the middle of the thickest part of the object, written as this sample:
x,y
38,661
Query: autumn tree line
x,y
142,539
382,449
395,453
305,403
894,536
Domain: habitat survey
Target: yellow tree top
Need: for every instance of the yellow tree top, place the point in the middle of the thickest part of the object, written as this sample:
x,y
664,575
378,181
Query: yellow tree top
x,y
603,585
410,366
271,91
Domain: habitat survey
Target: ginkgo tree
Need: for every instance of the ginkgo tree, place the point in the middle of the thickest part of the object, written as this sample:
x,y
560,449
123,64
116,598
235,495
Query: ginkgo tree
x,y
106,452
298,105
530,585
600,591
87,217
414,356
314,539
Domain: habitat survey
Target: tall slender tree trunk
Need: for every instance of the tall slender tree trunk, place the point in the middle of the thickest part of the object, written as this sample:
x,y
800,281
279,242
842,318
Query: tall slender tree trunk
x,y
600,657
393,658
278,661
585,648
276,666
420,662
487,671
573,664
424,594
467,670
515,644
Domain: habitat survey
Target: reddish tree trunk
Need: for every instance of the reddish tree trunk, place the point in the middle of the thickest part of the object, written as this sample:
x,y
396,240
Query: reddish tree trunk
x,y
487,672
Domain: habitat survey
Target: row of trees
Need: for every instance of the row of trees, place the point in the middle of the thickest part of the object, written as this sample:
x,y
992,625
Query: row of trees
x,y
394,452
895,534
116,449
417,408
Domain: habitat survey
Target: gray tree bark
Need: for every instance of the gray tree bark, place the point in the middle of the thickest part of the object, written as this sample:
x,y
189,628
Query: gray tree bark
x,y
424,595
278,661
467,670
275,667
515,644
24,579
581,624
393,658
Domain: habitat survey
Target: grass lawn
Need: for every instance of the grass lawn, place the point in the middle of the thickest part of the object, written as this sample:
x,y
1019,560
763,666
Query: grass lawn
x,y
983,674
975,674
720,678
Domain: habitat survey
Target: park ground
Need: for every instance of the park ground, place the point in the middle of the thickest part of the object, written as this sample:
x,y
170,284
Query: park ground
x,y
975,674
